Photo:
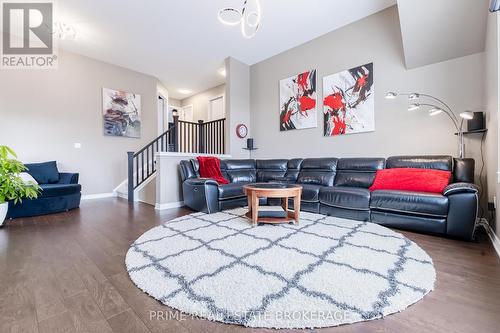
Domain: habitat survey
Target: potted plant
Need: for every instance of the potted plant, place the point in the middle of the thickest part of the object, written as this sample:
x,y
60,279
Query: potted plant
x,y
12,186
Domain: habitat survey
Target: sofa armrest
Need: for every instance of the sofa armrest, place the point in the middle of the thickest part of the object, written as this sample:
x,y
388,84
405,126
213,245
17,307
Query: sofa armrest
x,y
201,181
463,203
68,178
201,194
460,188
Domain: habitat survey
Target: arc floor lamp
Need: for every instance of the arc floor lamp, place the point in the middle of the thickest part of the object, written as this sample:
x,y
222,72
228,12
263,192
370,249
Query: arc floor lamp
x,y
434,107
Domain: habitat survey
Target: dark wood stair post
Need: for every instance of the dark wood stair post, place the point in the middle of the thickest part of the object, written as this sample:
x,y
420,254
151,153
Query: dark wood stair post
x,y
201,137
130,196
175,133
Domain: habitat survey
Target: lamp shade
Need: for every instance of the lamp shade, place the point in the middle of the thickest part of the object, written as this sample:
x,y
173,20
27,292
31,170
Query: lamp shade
x,y
413,107
435,111
391,95
467,115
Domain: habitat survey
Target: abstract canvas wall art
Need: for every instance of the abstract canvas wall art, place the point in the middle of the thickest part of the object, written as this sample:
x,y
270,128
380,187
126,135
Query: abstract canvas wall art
x,y
298,102
121,112
349,101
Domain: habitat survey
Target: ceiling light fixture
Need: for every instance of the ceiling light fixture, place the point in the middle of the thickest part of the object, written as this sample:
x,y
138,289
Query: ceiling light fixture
x,y
229,16
64,31
184,91
248,20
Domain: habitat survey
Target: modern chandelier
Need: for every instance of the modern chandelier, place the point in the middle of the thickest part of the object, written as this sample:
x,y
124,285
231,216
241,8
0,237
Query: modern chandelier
x,y
249,21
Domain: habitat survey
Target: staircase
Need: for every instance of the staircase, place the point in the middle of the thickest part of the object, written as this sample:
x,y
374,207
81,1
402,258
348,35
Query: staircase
x,y
183,137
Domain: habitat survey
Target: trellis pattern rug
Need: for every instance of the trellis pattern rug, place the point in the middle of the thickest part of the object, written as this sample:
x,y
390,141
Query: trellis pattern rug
x,y
326,271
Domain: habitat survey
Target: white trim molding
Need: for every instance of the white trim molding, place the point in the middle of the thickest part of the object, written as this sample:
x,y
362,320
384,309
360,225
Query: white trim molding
x,y
98,196
493,236
169,205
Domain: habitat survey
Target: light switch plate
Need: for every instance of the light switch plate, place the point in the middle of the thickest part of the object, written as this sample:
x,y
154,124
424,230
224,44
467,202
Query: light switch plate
x,y
78,145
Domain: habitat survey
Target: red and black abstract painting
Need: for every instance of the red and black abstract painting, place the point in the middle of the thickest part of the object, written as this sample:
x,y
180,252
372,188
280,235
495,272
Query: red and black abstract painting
x,y
349,104
298,102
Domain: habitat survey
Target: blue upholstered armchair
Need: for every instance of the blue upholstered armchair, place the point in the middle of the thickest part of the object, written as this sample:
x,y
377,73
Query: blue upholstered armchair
x,y
60,192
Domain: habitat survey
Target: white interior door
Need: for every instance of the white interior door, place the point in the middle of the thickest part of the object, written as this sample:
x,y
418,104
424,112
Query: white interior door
x,y
170,115
186,113
162,117
216,108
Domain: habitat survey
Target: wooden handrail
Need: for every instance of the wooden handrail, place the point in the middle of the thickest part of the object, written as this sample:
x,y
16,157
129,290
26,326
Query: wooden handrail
x,y
184,136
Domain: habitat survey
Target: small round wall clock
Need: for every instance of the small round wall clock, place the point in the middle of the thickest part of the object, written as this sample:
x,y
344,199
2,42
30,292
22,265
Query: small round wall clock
x,y
241,131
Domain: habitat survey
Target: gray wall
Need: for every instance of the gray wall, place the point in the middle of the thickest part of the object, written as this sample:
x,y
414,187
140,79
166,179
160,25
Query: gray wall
x,y
492,99
174,102
201,101
374,39
237,106
43,113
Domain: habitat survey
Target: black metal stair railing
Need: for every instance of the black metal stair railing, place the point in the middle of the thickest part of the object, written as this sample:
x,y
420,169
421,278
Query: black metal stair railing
x,y
185,137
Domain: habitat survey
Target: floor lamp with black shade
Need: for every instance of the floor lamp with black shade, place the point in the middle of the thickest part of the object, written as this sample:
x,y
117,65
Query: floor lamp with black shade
x,y
434,107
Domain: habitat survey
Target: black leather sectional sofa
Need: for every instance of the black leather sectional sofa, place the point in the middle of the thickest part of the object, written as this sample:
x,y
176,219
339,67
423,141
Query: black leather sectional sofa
x,y
339,187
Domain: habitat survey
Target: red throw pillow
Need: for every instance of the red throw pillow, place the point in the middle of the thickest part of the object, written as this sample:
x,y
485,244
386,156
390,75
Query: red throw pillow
x,y
407,179
210,168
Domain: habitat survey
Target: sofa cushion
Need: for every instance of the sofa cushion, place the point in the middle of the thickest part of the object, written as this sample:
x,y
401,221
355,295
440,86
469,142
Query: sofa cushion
x,y
269,170
357,172
419,203
58,190
293,169
239,171
317,171
444,163
44,173
345,197
231,191
310,193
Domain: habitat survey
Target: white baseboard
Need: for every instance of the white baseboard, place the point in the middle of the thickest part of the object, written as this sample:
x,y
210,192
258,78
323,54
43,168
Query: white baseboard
x,y
121,195
493,236
169,205
98,196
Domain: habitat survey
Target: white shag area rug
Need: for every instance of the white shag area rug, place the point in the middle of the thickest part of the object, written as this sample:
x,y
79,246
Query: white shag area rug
x,y
326,271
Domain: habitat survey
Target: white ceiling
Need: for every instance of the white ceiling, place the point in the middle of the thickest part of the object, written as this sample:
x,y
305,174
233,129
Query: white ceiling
x,y
182,43
439,30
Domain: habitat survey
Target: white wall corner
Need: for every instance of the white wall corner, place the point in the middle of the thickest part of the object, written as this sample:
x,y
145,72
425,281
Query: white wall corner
x,y
169,205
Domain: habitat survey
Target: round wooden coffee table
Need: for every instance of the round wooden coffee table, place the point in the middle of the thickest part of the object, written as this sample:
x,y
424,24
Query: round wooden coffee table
x,y
273,190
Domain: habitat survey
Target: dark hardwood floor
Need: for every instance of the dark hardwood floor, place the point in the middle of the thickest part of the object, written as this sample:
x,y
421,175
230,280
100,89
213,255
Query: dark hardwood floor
x,y
66,273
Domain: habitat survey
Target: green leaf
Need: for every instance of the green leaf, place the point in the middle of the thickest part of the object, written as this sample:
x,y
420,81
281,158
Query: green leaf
x,y
12,187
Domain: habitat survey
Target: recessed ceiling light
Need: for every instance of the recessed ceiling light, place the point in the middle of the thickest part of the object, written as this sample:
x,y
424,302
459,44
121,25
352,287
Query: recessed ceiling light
x,y
184,91
222,72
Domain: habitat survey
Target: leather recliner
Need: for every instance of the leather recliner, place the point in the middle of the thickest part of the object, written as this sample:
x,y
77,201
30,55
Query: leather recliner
x,y
339,187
